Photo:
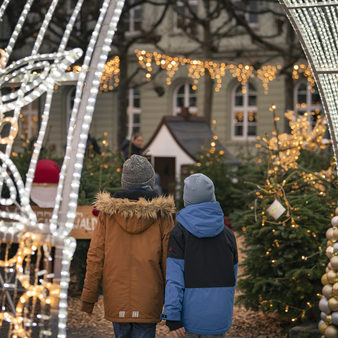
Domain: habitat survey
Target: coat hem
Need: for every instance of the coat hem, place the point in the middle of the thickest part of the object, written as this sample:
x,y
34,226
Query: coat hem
x,y
207,332
131,320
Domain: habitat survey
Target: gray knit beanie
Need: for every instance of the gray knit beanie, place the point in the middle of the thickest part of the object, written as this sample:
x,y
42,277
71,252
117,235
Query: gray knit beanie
x,y
198,188
137,172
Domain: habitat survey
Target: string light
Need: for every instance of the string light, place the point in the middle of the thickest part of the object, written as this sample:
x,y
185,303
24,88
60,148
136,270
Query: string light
x,y
306,71
197,69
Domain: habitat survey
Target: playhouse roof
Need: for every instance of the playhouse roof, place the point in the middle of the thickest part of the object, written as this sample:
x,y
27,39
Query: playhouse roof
x,y
191,134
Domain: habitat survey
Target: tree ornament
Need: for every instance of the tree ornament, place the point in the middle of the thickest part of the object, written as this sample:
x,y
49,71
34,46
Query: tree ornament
x,y
335,247
334,221
333,304
323,316
331,276
335,233
324,279
334,318
334,262
331,332
329,234
330,243
324,305
327,291
329,251
335,289
329,319
322,326
336,211
276,209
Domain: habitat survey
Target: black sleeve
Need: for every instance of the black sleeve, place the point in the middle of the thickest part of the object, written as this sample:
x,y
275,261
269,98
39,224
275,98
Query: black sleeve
x,y
176,243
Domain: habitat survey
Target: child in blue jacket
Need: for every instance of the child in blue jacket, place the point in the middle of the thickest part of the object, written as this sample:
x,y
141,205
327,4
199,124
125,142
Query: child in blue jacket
x,y
202,265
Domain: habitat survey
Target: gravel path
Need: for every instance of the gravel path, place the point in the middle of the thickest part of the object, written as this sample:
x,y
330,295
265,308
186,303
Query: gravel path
x,y
246,323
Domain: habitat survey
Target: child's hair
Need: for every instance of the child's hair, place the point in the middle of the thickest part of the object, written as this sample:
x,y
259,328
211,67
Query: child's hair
x,y
135,136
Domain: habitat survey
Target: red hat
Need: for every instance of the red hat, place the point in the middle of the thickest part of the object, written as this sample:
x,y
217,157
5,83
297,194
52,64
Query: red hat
x,y
47,171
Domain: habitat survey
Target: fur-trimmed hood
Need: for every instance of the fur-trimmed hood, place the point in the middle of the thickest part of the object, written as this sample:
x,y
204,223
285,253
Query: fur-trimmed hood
x,y
135,216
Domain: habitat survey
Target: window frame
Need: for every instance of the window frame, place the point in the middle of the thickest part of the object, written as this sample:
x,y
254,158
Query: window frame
x,y
252,24
130,20
176,27
245,108
132,110
310,107
29,112
186,98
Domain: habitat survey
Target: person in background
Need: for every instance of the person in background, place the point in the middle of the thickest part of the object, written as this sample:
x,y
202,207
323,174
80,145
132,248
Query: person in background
x,y
201,266
133,147
128,252
157,186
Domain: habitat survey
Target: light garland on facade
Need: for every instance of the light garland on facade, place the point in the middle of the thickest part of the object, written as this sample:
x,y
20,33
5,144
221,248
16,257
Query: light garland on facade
x,y
110,77
197,68
305,70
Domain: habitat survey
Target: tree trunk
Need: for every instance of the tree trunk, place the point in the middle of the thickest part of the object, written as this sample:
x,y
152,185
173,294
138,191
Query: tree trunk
x,y
208,81
122,99
289,95
208,97
288,80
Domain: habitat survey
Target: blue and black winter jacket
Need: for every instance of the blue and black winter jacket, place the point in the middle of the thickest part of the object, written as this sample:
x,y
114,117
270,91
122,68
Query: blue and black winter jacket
x,y
201,274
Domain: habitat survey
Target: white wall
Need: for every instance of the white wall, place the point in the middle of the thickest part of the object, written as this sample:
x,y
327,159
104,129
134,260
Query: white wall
x,y
164,145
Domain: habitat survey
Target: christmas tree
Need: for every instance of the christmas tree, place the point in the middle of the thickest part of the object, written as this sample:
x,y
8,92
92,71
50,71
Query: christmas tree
x,y
285,224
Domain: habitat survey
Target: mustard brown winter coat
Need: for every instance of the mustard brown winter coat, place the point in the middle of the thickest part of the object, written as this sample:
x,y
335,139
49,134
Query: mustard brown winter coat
x,y
128,252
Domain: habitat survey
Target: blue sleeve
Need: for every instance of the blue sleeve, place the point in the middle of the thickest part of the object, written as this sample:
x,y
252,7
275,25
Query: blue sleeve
x,y
174,290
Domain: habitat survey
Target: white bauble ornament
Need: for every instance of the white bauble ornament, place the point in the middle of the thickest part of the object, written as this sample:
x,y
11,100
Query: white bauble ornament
x,y
324,305
334,318
334,221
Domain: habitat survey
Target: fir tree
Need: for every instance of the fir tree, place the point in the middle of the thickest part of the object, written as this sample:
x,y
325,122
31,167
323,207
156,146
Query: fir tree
x,y
285,257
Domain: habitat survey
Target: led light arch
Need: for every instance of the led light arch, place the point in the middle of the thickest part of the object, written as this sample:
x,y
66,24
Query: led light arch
x,y
49,288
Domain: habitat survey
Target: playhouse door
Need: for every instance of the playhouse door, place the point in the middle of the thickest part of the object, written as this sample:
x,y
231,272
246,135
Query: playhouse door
x,y
165,167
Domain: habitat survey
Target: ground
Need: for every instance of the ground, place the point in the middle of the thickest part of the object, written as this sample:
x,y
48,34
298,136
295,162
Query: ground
x,y
246,323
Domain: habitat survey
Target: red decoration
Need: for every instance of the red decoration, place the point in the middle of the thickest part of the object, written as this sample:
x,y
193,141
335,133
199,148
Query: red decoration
x,y
47,171
95,212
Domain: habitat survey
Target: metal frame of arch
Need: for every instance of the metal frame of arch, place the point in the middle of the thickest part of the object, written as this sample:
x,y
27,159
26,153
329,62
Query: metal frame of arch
x,y
316,24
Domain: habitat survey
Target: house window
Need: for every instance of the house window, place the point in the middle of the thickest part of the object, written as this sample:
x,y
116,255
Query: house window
x,y
182,15
247,9
244,112
29,120
185,96
133,20
308,102
134,112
